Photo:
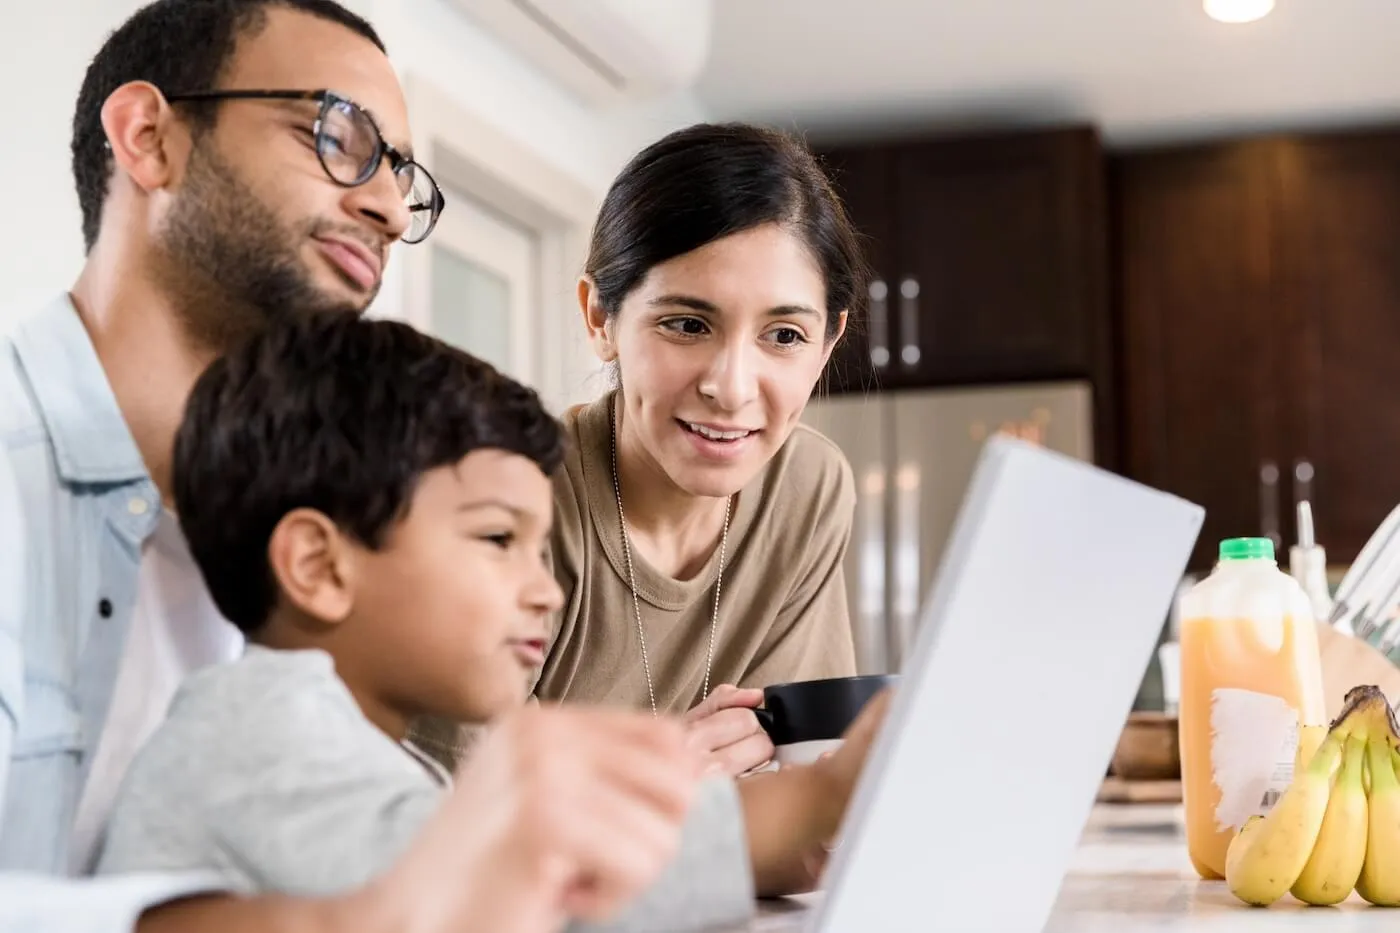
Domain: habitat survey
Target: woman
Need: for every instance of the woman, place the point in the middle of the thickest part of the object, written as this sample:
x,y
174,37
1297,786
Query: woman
x,y
700,529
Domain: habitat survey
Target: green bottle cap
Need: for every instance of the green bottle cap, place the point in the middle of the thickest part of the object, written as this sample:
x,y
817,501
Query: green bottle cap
x,y
1247,549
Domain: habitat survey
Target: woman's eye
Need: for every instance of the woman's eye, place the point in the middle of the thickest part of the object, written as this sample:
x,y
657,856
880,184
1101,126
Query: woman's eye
x,y
502,540
687,326
789,337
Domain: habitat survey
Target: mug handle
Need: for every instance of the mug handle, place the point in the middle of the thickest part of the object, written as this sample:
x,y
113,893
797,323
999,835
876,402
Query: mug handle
x,y
765,720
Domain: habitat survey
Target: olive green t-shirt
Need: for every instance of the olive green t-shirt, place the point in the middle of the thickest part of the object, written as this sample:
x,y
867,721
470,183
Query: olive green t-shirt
x,y
783,613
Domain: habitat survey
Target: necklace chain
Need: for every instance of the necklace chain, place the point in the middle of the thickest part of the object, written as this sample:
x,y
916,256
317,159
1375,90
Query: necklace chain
x,y
632,582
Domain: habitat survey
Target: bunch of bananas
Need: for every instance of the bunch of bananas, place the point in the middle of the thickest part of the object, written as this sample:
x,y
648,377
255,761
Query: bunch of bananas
x,y
1336,828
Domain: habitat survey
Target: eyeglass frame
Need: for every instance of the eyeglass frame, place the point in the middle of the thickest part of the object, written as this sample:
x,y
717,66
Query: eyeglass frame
x,y
327,98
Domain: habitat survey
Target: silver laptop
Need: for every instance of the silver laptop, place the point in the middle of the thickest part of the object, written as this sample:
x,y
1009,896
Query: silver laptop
x,y
1044,614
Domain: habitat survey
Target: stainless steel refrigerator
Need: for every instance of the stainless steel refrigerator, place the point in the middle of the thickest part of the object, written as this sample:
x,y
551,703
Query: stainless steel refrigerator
x,y
913,453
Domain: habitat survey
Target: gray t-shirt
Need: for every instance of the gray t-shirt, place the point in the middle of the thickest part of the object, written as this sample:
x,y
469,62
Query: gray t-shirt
x,y
267,772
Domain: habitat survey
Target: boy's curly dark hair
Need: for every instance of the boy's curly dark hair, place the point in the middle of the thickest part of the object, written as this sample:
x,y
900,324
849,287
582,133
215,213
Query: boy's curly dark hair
x,y
337,413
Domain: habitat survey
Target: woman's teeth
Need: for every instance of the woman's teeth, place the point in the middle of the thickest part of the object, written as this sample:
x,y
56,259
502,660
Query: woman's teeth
x,y
714,435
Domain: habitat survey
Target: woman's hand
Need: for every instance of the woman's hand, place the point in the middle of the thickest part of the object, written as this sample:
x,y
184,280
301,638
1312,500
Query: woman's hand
x,y
793,816
724,727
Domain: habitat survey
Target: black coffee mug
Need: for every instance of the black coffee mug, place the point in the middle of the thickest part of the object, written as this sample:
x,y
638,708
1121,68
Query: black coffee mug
x,y
807,718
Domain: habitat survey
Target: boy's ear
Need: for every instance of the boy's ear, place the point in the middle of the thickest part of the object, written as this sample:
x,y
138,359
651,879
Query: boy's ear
x,y
313,565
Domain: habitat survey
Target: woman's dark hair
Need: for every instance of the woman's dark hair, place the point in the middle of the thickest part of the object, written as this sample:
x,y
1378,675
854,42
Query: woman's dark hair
x,y
709,181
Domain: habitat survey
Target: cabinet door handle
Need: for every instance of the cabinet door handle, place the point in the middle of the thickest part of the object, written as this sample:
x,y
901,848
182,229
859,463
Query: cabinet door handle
x,y
879,324
1268,503
1302,481
909,322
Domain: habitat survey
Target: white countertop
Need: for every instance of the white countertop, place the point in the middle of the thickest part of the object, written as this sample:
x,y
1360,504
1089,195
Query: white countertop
x,y
1131,873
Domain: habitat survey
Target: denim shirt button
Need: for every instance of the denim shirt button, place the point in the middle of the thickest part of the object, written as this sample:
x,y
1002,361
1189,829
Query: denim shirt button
x,y
104,608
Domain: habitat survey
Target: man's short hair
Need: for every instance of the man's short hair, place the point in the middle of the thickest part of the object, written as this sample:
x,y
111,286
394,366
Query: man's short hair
x,y
180,46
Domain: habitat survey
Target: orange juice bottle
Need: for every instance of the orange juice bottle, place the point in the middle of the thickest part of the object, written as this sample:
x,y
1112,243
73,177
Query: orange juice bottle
x,y
1250,674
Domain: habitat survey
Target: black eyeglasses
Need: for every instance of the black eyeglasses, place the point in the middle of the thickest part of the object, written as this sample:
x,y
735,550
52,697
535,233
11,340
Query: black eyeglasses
x,y
350,148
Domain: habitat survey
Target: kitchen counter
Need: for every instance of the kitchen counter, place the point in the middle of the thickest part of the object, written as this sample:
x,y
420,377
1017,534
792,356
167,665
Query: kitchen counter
x,y
1131,873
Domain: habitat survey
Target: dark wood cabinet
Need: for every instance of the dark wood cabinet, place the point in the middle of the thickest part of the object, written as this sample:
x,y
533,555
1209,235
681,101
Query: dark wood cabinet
x,y
996,274
989,262
1202,357
1259,296
864,179
1339,266
1236,306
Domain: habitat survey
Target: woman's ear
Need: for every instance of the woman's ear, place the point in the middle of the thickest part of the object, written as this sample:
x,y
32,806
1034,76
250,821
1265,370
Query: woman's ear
x,y
835,338
314,565
595,319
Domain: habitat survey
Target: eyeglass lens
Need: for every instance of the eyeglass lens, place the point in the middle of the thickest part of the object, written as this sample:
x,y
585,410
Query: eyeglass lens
x,y
349,146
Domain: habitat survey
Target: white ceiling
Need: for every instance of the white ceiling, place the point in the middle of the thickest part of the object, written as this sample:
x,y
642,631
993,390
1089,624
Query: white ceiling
x,y
1143,70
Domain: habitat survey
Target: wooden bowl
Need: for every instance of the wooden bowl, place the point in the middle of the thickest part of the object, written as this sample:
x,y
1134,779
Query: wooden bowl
x,y
1148,748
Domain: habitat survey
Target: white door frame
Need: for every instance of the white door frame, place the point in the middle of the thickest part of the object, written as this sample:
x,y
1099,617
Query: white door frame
x,y
465,152
497,246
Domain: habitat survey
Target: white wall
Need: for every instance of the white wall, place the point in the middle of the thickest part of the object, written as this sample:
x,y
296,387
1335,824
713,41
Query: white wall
x,y
45,47
431,39
44,50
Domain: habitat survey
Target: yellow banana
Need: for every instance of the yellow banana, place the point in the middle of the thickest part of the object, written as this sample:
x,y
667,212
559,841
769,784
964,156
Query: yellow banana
x,y
1379,882
1309,738
1262,864
1335,862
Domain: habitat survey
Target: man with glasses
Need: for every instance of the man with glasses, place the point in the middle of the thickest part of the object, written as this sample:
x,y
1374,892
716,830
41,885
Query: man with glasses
x,y
237,160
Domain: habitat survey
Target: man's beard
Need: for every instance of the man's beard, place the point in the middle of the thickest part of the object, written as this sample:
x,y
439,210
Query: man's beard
x,y
231,264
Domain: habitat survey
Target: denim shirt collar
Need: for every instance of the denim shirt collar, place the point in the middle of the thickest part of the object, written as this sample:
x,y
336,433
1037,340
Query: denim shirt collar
x,y
91,441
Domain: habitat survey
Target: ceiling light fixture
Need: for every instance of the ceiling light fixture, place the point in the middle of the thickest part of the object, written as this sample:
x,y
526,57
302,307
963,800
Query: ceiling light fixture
x,y
1238,11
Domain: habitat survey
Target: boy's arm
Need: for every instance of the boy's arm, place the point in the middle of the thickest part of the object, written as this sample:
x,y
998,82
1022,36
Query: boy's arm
x,y
788,816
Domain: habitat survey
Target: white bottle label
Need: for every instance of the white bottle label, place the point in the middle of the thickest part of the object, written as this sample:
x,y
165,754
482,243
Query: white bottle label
x,y
1254,737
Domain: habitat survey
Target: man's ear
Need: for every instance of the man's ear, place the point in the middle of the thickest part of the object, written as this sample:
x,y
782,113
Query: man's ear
x,y
148,143
595,319
314,565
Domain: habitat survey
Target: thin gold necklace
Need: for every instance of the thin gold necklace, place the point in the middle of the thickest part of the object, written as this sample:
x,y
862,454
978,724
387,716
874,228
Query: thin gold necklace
x,y
632,578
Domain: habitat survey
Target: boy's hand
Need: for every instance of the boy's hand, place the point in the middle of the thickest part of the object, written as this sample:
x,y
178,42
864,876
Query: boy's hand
x,y
724,727
559,813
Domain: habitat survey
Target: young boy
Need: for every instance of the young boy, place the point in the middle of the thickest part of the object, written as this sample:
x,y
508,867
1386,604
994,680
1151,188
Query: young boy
x,y
371,508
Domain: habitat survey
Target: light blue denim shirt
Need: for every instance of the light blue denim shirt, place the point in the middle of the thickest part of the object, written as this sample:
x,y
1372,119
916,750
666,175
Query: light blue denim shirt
x,y
76,503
